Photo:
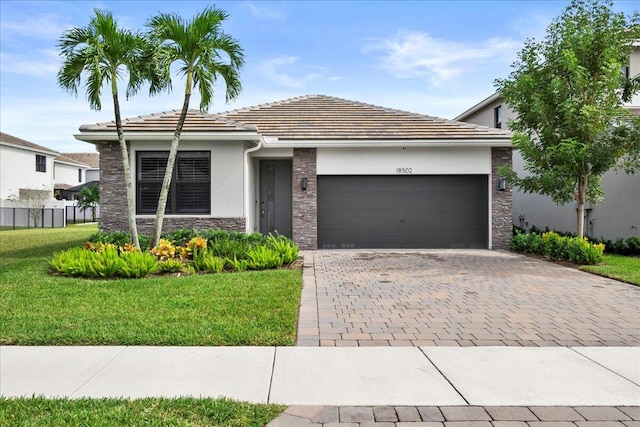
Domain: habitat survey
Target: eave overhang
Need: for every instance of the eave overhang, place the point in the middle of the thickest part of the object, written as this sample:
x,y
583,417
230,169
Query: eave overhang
x,y
98,137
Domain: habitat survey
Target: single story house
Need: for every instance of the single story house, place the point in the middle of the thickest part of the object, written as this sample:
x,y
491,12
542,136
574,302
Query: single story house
x,y
326,171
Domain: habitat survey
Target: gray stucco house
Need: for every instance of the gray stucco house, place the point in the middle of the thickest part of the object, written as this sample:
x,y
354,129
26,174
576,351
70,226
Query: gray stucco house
x,y
328,172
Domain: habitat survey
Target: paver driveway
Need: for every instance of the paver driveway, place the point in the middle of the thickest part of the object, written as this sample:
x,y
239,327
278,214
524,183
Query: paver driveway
x,y
460,298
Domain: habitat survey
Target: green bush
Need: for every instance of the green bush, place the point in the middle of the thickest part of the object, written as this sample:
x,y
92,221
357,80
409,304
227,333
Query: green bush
x,y
119,238
263,257
287,250
138,264
213,264
557,247
170,266
106,264
237,264
633,243
527,243
73,262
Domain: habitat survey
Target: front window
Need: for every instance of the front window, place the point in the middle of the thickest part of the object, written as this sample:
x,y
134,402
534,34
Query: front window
x,y
79,175
41,163
190,190
497,117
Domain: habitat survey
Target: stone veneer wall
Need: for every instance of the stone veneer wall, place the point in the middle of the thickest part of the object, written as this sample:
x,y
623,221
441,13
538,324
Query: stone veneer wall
x,y
113,202
305,202
501,201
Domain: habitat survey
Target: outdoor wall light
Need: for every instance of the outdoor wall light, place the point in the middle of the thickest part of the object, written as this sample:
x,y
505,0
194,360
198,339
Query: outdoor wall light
x,y
502,184
304,183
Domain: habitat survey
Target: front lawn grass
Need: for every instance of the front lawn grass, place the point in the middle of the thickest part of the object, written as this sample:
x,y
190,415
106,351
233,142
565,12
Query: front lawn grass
x,y
620,267
39,411
36,308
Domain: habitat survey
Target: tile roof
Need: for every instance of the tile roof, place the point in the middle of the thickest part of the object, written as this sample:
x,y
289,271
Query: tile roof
x,y
313,117
10,139
320,117
62,158
166,121
90,159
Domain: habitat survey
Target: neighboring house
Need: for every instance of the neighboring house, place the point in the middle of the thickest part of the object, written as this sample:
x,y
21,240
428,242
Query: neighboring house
x,y
26,169
74,171
67,173
617,216
328,172
92,160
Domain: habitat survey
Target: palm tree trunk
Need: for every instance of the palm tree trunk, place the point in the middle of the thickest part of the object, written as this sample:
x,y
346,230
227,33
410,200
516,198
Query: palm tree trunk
x,y
164,191
133,228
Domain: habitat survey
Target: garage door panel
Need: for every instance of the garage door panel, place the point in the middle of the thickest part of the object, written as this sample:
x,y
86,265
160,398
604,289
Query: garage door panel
x,y
403,211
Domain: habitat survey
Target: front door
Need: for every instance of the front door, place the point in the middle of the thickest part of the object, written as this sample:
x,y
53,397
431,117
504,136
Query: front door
x,y
275,196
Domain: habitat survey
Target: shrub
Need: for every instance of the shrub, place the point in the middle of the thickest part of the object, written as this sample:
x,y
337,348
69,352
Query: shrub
x,y
181,236
170,266
581,251
213,264
236,264
73,262
528,243
633,243
555,246
165,250
106,263
287,250
138,264
263,257
119,239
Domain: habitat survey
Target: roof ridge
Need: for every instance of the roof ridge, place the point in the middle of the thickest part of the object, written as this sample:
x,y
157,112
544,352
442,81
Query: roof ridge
x,y
266,105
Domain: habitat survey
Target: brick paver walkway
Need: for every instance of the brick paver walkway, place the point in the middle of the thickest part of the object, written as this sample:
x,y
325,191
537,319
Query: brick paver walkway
x,y
460,298
459,416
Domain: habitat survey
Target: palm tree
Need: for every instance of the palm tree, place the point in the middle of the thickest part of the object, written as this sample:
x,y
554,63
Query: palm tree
x,y
89,199
103,53
203,52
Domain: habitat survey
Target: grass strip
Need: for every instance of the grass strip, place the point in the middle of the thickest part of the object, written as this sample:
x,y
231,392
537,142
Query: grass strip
x,y
194,412
619,267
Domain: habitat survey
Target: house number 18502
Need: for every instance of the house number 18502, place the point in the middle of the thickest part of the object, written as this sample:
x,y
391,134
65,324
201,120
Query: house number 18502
x,y
404,171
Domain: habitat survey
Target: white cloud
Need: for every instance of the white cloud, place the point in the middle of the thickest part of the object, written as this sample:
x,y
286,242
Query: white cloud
x,y
412,54
42,63
272,69
262,12
43,26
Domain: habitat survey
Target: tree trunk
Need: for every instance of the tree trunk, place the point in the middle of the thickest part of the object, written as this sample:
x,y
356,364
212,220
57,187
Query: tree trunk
x,y
580,198
166,183
131,213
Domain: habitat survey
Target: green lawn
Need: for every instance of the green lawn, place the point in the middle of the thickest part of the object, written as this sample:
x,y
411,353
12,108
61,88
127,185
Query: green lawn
x,y
142,412
625,268
251,308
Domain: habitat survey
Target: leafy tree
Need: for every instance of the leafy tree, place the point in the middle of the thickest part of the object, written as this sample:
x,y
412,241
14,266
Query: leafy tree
x,y
570,124
203,53
102,53
89,199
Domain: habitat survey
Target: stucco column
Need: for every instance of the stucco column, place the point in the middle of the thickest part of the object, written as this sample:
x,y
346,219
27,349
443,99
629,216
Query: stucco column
x,y
305,202
501,201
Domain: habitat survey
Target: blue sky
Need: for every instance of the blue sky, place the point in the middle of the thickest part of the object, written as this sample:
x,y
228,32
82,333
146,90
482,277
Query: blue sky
x,y
429,57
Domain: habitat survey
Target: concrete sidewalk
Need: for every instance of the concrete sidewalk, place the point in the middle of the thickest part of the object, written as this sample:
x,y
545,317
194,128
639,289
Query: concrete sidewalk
x,y
409,376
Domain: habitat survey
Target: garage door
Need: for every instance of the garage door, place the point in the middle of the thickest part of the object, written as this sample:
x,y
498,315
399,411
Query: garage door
x,y
416,211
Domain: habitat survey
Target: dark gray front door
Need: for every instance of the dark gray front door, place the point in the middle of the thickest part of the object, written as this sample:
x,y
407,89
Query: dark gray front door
x,y
275,196
416,211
